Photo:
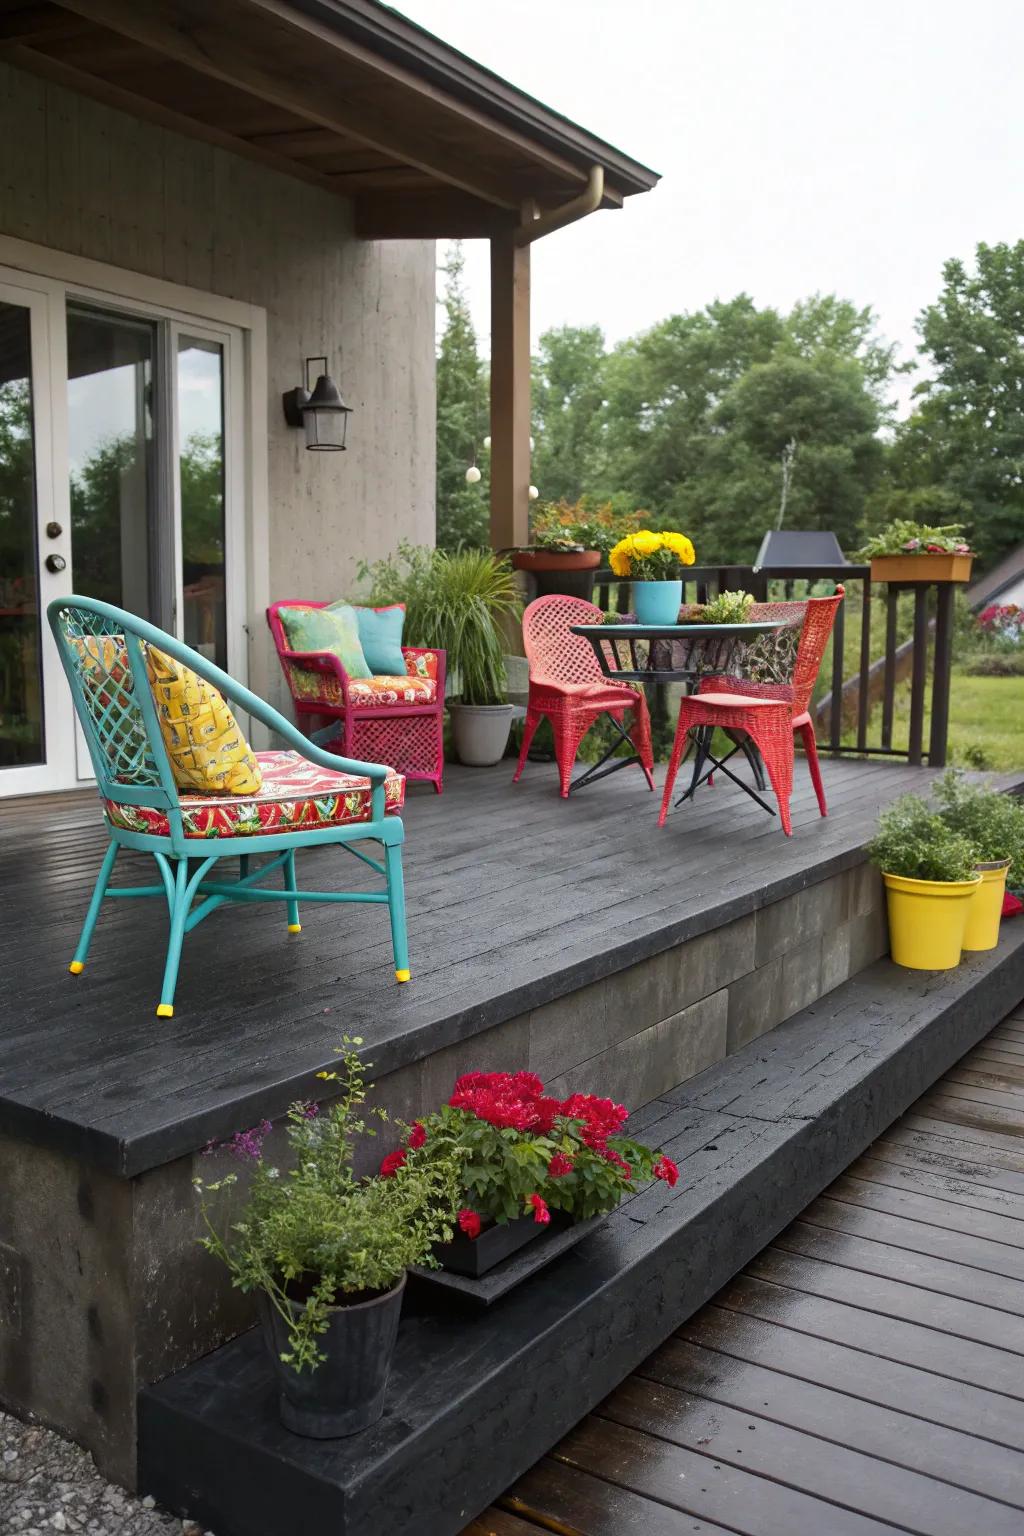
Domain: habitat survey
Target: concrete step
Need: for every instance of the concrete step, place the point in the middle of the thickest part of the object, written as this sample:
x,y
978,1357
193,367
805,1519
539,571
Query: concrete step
x,y
475,1398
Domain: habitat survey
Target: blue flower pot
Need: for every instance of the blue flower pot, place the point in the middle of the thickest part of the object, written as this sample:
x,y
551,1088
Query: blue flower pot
x,y
657,602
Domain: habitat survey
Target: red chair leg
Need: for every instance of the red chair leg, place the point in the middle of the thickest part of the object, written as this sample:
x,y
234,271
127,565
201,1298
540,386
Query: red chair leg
x,y
777,753
811,750
673,767
570,730
533,719
640,736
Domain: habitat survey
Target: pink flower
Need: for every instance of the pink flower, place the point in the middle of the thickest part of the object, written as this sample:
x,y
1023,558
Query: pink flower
x,y
666,1169
469,1222
912,544
618,1162
417,1136
391,1164
560,1165
541,1214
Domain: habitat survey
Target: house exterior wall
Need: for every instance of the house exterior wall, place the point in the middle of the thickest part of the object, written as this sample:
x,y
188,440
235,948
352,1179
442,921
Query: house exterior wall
x,y
78,177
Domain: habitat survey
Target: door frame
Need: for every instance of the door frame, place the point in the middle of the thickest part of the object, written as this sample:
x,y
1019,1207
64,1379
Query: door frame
x,y
53,277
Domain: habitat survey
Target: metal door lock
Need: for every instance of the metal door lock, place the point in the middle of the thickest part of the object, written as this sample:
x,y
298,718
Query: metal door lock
x,y
55,563
54,530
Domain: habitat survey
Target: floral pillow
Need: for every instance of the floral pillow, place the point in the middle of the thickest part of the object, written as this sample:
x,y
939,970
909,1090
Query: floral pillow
x,y
327,629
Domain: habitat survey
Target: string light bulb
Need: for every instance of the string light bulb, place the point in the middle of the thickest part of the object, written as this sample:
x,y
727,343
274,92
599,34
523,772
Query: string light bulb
x,y
472,475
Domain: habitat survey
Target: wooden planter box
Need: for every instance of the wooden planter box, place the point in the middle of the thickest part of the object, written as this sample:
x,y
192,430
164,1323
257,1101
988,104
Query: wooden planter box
x,y
556,560
900,568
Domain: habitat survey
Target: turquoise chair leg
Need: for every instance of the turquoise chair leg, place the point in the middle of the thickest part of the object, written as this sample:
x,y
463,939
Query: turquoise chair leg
x,y
396,908
294,926
179,912
85,939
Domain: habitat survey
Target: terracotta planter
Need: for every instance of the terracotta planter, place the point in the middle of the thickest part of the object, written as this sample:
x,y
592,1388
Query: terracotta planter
x,y
900,568
556,560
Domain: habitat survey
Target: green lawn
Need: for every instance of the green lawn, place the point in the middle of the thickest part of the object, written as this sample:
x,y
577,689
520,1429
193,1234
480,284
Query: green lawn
x,y
986,721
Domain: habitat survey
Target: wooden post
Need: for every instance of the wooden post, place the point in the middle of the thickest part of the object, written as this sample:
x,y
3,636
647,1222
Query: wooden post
x,y
510,392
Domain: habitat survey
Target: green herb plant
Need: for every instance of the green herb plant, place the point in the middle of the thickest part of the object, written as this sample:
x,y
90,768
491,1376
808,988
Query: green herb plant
x,y
316,1236
903,537
917,842
992,821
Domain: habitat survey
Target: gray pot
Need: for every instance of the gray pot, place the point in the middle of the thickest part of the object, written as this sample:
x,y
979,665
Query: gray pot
x,y
346,1392
481,732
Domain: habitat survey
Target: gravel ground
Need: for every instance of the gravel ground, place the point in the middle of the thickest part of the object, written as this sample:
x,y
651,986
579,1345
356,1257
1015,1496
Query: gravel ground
x,y
47,1484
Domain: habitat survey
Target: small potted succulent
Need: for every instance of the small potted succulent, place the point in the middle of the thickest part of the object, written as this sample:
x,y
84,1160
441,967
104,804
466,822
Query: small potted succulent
x,y
930,879
993,823
914,552
327,1253
528,1163
653,562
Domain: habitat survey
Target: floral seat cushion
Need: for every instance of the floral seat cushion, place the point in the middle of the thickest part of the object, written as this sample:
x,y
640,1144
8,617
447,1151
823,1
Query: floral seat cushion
x,y
368,692
295,796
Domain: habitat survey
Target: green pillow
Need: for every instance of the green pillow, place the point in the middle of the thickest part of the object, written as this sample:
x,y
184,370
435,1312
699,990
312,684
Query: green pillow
x,y
380,633
327,629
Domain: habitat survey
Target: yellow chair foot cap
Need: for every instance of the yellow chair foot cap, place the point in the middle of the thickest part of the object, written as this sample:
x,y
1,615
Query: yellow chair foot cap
x,y
402,975
76,967
294,927
165,1011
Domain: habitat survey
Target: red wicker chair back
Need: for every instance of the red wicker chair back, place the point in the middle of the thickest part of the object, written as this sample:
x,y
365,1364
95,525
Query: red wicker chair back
x,y
555,654
817,626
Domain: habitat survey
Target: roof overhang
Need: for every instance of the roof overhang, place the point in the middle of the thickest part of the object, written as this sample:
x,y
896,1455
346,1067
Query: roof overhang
x,y
346,94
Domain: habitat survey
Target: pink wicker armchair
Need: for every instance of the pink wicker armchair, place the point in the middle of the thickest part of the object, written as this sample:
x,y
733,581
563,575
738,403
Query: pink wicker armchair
x,y
568,687
380,719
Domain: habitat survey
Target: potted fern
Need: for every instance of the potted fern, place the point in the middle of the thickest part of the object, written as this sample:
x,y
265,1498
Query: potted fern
x,y
457,601
326,1253
929,872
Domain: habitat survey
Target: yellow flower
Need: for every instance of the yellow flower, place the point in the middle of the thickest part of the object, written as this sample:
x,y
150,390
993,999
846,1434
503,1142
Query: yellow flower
x,y
620,557
646,543
680,546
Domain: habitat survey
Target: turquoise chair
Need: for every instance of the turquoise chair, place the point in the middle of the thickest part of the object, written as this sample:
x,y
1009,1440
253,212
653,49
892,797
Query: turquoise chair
x,y
144,809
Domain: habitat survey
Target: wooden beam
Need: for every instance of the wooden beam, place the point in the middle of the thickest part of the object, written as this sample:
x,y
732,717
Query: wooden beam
x,y
39,23
510,392
282,58
422,215
37,63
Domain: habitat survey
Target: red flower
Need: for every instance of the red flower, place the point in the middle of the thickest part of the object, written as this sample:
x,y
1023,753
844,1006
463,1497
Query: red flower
x,y
935,549
417,1136
469,1221
541,1214
619,1162
560,1165
509,1101
391,1164
666,1169
601,1118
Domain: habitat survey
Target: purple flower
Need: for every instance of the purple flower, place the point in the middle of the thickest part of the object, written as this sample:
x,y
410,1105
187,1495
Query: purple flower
x,y
310,1110
912,544
247,1146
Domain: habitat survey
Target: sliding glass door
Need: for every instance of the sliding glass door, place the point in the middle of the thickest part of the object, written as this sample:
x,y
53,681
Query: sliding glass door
x,y
119,480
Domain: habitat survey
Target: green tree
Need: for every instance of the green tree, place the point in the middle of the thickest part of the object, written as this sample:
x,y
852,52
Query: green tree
x,y
966,436
569,412
462,419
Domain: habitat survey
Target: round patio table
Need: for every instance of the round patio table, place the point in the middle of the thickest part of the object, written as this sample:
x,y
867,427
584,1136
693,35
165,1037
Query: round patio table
x,y
682,653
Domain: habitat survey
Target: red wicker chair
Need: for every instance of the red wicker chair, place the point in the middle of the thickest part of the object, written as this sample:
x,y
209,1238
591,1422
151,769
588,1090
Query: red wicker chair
x,y
365,718
767,713
568,688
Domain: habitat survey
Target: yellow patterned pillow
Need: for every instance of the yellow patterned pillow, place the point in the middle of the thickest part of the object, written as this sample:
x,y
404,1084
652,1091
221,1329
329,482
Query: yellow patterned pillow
x,y
206,748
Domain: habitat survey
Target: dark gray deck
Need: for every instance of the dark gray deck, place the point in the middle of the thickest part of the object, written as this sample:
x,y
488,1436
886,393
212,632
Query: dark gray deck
x,y
862,1375
515,897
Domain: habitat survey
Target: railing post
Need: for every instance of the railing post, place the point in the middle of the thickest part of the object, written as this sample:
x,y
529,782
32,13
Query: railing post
x,y
941,676
863,692
892,598
835,724
919,675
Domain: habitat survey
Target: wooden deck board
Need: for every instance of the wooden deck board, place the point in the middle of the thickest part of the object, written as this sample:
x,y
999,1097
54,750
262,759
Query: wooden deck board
x,y
862,1374
515,898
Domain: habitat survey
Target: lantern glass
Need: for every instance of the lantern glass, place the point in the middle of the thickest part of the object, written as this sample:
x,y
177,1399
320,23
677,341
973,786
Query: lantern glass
x,y
325,416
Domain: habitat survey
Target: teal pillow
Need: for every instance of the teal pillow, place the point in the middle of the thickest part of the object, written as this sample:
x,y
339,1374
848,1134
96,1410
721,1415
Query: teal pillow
x,y
380,633
327,629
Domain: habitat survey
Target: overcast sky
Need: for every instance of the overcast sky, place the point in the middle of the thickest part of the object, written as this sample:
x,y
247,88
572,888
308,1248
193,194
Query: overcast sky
x,y
804,145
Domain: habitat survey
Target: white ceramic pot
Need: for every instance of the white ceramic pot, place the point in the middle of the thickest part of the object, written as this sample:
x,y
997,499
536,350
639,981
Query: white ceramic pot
x,y
481,732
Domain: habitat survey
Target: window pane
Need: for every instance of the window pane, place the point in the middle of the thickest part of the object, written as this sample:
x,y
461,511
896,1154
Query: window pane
x,y
201,428
112,458
21,682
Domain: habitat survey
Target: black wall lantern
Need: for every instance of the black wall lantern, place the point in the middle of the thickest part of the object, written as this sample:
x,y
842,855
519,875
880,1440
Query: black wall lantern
x,y
322,412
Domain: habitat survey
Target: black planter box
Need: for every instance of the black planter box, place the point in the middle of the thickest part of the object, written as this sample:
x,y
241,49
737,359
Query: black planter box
x,y
474,1256
533,1252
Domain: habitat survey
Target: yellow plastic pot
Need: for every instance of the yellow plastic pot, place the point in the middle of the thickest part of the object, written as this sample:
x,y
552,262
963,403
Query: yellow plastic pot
x,y
986,906
927,919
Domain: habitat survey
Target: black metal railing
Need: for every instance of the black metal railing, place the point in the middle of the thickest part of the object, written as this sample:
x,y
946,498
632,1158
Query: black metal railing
x,y
856,702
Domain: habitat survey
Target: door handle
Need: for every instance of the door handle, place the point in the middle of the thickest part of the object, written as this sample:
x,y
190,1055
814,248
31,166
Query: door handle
x,y
55,564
